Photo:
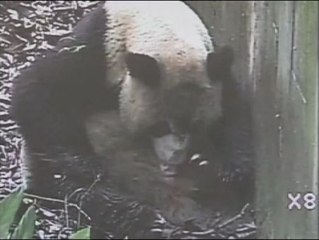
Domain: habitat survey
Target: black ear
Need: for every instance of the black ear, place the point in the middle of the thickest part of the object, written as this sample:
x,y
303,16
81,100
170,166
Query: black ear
x,y
219,63
143,68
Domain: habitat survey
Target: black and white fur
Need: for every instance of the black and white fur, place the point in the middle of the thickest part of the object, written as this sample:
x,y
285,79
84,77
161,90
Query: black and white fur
x,y
135,82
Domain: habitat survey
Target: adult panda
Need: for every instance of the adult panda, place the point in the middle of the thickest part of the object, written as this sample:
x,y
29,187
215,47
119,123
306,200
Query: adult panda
x,y
134,88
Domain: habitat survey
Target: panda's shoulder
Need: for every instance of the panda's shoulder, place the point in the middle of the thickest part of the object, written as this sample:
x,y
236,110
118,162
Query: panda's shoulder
x,y
92,26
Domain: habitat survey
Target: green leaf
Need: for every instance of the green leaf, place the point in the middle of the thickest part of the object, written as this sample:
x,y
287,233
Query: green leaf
x,y
25,228
82,234
8,208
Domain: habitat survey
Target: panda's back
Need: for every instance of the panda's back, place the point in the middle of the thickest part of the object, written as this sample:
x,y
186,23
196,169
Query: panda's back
x,y
163,22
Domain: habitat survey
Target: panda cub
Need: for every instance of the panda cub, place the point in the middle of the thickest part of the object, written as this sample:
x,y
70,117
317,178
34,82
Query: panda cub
x,y
123,101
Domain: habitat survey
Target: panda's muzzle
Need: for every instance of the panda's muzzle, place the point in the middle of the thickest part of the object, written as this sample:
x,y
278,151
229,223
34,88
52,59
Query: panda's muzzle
x,y
170,147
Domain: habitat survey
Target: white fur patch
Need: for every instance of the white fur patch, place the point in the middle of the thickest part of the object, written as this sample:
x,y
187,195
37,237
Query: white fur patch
x,y
160,29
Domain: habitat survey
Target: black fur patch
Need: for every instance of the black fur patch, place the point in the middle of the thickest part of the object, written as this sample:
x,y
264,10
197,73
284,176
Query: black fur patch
x,y
144,68
51,98
219,63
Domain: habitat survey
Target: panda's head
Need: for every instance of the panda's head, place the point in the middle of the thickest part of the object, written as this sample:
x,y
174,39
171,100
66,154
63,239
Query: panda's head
x,y
171,97
171,89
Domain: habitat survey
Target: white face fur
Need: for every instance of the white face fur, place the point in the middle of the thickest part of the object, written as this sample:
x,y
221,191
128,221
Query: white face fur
x,y
173,44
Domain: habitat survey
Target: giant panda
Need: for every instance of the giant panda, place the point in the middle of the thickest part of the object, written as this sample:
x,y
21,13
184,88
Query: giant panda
x,y
119,107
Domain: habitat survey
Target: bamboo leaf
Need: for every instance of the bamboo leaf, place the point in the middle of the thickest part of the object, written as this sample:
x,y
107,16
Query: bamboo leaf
x,y
26,226
8,208
82,234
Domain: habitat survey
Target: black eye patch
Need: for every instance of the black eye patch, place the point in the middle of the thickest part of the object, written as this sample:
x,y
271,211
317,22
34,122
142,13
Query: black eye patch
x,y
219,63
143,68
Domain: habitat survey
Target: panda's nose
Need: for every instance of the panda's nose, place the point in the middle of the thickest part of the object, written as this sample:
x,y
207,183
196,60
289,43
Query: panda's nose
x,y
160,129
181,102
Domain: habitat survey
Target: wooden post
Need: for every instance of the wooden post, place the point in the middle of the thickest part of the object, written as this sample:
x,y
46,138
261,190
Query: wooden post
x,y
276,46
284,69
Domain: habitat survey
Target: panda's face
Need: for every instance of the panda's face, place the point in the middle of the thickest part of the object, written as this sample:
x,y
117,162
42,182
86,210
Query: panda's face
x,y
167,99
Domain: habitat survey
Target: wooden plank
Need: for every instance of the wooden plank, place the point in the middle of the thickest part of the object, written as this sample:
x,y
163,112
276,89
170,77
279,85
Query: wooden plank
x,y
276,45
286,116
262,67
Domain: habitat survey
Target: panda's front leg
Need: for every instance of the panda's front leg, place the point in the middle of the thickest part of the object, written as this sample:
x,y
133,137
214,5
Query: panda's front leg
x,y
50,101
57,156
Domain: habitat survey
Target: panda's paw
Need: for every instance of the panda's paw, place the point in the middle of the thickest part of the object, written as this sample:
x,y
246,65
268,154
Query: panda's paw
x,y
198,160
